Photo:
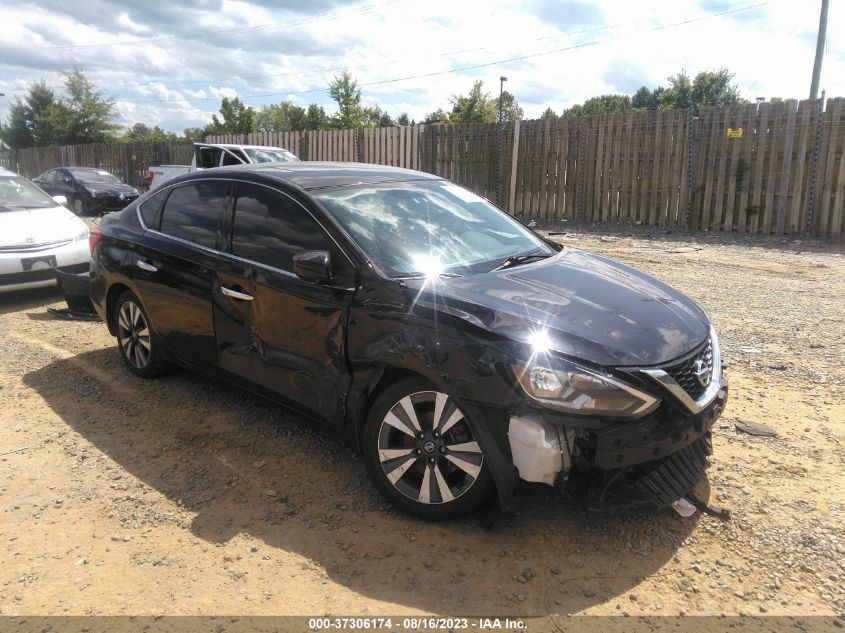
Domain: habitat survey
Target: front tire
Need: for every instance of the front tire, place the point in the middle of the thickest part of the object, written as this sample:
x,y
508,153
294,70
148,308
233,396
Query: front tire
x,y
78,206
138,345
422,455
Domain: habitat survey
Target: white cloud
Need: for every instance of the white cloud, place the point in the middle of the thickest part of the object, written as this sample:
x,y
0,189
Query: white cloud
x,y
291,54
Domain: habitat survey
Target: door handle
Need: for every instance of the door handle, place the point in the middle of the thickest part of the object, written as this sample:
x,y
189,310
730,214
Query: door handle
x,y
242,296
145,266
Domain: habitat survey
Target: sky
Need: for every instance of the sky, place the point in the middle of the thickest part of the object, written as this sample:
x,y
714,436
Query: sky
x,y
169,63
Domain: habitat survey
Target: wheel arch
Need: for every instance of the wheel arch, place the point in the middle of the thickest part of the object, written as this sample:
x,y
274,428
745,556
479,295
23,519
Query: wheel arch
x,y
113,294
492,435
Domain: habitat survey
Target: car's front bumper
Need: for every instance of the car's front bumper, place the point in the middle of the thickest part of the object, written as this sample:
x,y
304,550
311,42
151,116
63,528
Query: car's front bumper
x,y
661,455
663,433
36,269
108,203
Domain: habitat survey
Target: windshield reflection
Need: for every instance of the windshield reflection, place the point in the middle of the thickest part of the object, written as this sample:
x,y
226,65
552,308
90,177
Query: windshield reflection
x,y
414,228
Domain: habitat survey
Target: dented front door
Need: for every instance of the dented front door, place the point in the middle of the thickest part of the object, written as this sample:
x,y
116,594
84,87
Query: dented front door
x,y
274,330
288,338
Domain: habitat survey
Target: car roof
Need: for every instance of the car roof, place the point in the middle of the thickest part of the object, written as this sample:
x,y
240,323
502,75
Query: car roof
x,y
6,172
238,146
318,175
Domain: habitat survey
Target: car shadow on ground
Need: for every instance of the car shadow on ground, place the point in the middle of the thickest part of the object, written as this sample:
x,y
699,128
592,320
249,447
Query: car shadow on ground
x,y
21,300
235,465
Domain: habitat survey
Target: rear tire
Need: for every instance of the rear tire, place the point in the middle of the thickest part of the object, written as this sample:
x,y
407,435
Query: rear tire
x,y
138,344
421,453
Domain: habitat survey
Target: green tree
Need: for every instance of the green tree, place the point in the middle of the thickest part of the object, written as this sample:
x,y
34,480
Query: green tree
x,y
374,116
510,107
280,117
346,93
316,118
237,118
193,133
709,88
16,132
140,132
605,104
645,99
403,119
438,116
84,115
549,113
474,107
41,119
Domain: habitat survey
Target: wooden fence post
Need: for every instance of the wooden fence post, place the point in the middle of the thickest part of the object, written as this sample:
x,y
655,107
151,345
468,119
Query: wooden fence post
x,y
582,170
514,164
814,167
792,110
690,167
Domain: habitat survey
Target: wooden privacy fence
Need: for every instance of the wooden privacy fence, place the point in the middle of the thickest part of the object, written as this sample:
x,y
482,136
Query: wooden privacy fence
x,y
129,161
769,168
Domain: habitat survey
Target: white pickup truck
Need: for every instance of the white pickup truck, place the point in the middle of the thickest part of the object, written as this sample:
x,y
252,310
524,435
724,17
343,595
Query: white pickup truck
x,y
207,155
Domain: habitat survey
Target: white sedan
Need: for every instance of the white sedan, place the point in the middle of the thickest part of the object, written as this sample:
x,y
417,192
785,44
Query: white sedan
x,y
37,235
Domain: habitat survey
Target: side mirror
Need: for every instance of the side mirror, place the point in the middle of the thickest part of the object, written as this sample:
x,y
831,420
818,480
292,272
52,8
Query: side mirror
x,y
313,266
61,200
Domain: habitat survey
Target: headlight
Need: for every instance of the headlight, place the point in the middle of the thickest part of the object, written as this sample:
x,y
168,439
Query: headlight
x,y
567,387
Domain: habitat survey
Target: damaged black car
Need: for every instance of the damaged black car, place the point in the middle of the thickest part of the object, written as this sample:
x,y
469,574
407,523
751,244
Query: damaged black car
x,y
454,348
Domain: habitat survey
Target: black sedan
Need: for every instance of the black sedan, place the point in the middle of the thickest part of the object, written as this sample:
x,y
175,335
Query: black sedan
x,y
456,349
87,189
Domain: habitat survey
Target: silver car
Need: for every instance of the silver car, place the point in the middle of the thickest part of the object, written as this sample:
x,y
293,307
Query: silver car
x,y
37,235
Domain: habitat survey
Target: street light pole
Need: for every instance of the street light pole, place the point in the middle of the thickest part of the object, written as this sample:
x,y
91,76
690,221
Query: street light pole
x,y
817,65
502,81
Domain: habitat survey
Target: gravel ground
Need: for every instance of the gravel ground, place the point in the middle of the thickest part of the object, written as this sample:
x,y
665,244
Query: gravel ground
x,y
182,496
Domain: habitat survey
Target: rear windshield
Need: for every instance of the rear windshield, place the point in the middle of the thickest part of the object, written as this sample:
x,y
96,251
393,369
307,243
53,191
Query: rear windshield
x,y
97,176
18,193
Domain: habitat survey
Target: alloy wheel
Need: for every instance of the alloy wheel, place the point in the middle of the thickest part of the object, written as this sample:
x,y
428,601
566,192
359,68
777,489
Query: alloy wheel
x,y
427,450
133,333
78,207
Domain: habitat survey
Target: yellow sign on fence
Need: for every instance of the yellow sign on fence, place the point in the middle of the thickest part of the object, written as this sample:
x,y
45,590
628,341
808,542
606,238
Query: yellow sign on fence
x,y
737,133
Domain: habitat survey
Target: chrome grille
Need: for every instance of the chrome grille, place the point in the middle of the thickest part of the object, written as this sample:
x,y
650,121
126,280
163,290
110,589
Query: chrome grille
x,y
685,373
30,248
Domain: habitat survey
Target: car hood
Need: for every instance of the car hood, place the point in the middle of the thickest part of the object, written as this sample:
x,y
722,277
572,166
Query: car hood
x,y
593,308
38,226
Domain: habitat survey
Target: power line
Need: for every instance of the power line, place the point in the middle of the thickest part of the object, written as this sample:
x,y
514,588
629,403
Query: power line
x,y
462,69
205,34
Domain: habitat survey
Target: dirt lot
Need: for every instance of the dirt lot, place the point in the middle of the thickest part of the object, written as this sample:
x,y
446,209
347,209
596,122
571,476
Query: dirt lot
x,y
182,496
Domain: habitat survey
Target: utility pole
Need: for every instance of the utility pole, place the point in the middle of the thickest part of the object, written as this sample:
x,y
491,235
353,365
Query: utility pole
x,y
817,66
502,81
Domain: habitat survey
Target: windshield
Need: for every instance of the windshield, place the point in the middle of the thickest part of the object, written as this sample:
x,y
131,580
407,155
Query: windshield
x,y
94,176
18,193
428,227
270,155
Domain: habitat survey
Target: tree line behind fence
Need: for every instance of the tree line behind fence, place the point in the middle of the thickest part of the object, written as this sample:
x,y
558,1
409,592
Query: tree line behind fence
x,y
770,168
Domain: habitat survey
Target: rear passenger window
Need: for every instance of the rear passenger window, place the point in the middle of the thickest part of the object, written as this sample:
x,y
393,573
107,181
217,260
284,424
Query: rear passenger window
x,y
192,212
149,209
269,228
